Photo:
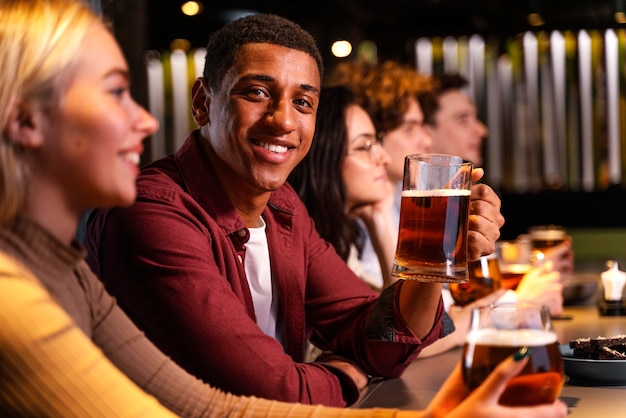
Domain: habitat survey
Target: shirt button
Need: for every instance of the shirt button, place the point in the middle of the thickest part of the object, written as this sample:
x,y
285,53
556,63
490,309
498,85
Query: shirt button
x,y
242,232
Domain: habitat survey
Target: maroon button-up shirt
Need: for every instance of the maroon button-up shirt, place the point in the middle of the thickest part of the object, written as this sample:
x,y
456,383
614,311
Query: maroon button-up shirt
x,y
175,262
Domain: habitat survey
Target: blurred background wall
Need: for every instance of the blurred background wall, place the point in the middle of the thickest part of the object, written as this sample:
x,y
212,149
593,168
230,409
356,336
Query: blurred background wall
x,y
549,79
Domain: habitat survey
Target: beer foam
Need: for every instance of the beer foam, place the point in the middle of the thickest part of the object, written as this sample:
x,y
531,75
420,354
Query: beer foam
x,y
515,268
511,337
547,234
436,193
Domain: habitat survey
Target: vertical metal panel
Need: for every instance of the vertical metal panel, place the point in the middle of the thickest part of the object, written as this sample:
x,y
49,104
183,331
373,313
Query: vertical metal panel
x,y
180,97
494,118
520,155
199,56
424,56
612,105
450,55
464,61
533,132
572,92
586,111
548,140
477,69
549,152
156,105
505,104
559,80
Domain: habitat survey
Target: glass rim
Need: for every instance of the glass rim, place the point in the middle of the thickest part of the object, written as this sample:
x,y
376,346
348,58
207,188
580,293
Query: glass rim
x,y
511,305
435,158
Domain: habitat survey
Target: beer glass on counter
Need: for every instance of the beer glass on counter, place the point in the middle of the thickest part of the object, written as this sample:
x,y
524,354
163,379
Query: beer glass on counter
x,y
514,261
434,216
484,278
496,332
543,237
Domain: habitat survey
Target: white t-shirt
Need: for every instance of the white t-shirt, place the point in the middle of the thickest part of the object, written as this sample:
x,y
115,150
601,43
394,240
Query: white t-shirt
x,y
259,275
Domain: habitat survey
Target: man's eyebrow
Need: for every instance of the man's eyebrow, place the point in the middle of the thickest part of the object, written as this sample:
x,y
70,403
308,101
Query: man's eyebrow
x,y
310,88
260,77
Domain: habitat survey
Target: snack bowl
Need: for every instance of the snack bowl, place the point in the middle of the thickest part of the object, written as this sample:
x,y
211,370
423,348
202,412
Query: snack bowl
x,y
580,287
590,372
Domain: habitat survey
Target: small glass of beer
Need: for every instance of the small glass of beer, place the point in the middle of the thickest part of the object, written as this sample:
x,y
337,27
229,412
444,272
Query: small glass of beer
x,y
496,332
514,261
543,237
484,278
434,217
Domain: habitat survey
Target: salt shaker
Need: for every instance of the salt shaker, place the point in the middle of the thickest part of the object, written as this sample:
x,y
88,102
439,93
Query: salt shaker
x,y
613,280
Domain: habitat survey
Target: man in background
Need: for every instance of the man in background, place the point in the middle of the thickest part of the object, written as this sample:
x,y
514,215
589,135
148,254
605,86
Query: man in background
x,y
451,118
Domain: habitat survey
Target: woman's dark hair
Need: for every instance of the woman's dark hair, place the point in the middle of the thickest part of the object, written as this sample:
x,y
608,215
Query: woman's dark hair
x,y
318,180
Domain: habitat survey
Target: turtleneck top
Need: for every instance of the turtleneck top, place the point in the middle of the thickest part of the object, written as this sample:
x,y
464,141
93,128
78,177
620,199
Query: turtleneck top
x,y
67,349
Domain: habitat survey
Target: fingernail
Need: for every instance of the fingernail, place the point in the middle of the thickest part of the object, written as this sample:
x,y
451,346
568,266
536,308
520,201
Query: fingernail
x,y
521,353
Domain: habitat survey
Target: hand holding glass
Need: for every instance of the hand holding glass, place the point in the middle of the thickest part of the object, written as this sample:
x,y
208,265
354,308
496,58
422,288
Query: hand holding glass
x,y
434,219
495,333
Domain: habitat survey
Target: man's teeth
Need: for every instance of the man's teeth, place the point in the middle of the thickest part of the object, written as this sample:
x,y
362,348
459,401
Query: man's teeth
x,y
132,157
274,148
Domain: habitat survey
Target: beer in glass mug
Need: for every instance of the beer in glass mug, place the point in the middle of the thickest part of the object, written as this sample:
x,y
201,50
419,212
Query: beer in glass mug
x,y
496,332
543,237
434,216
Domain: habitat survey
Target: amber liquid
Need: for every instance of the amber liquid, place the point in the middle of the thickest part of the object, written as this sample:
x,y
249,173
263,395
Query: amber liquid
x,y
512,274
484,278
543,245
540,381
432,236
542,239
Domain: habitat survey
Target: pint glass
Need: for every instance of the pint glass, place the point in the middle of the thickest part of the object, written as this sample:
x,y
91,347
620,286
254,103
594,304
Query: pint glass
x,y
543,237
514,261
495,333
484,278
434,216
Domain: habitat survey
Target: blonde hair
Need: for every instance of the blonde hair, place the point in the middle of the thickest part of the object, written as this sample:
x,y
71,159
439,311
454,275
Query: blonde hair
x,y
40,44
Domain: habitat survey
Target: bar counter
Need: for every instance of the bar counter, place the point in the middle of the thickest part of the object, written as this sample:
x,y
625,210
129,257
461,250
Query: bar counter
x,y
419,383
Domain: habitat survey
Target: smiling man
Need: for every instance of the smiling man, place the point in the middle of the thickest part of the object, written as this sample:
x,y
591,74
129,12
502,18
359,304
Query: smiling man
x,y
219,262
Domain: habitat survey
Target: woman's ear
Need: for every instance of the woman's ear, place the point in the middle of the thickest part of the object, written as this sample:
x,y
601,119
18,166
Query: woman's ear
x,y
200,101
24,125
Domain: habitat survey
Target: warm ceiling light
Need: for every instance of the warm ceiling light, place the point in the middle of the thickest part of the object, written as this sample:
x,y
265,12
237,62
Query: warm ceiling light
x,y
535,19
620,17
191,8
341,49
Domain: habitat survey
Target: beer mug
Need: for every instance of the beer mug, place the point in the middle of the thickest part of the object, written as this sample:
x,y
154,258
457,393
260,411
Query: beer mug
x,y
543,237
496,332
434,218
484,278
